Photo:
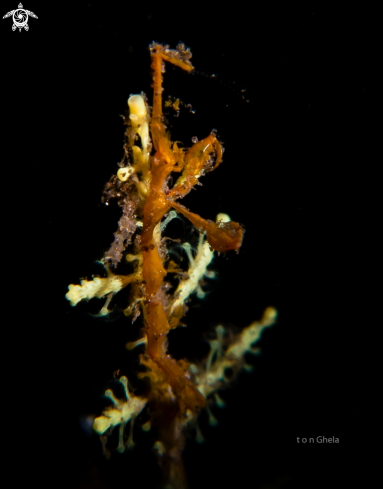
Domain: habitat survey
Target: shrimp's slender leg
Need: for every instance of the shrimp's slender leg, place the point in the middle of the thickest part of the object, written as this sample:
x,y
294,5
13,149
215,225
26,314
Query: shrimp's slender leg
x,y
159,55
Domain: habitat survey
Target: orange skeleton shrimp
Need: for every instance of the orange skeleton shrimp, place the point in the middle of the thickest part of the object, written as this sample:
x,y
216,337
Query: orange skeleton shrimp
x,y
178,390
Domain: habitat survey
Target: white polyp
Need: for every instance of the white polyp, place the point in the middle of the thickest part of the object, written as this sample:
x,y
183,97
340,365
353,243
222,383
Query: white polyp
x,y
143,131
123,174
130,257
121,446
220,402
111,396
247,367
130,442
146,426
101,424
138,116
200,293
124,382
137,152
161,226
210,274
213,421
137,106
133,344
220,330
159,447
105,311
221,217
186,246
169,217
270,315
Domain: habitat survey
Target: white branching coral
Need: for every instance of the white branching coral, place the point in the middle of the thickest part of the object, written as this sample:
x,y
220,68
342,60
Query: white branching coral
x,y
197,269
212,377
98,287
196,272
140,127
209,377
123,411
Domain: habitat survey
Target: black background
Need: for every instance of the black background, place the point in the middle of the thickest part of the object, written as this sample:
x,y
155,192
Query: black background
x,y
289,102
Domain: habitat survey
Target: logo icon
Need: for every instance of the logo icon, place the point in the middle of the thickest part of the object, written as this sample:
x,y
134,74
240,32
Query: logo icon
x,y
20,17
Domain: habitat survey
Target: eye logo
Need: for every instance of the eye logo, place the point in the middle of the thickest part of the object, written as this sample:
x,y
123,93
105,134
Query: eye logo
x,y
20,18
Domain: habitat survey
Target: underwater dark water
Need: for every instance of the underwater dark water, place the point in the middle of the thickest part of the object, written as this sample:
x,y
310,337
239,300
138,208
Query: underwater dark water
x,y
285,89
